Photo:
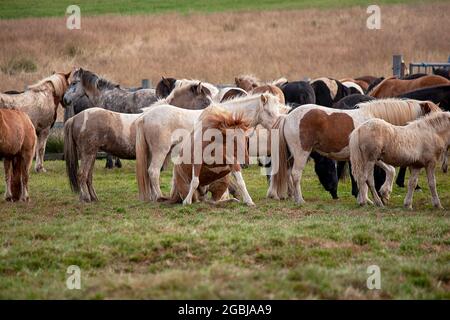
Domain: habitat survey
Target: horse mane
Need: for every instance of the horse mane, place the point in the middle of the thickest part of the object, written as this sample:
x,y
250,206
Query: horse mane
x,y
216,117
436,121
279,82
251,78
397,111
184,82
57,80
93,82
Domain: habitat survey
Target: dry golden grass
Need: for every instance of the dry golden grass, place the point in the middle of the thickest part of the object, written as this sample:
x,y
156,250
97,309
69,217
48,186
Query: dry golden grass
x,y
216,47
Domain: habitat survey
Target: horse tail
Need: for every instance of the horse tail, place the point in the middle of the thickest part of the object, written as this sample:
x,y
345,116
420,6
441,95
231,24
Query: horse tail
x,y
279,180
356,155
142,162
16,182
71,156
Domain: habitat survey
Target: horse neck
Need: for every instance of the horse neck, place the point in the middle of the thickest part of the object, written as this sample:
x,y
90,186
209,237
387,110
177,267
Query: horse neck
x,y
247,107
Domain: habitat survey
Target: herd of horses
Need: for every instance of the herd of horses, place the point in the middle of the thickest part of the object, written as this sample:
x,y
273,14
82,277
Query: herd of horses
x,y
370,125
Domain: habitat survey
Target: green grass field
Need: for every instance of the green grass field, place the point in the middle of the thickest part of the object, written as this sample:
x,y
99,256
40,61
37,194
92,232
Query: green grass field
x,y
129,249
11,9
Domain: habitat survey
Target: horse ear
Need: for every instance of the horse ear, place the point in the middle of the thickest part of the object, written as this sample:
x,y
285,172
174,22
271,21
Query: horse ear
x,y
236,80
264,99
165,81
67,75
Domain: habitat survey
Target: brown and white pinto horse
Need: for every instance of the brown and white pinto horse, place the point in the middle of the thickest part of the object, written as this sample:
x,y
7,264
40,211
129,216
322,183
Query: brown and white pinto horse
x,y
17,147
191,178
40,102
393,87
327,131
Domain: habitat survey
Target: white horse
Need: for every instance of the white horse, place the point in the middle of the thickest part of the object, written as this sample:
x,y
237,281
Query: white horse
x,y
420,144
154,131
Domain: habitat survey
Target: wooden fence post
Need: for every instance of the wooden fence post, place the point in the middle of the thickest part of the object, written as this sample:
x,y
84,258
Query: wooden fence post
x,y
145,83
397,65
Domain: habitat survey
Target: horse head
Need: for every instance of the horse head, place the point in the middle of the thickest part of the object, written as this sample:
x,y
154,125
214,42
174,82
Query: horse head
x,y
165,87
193,96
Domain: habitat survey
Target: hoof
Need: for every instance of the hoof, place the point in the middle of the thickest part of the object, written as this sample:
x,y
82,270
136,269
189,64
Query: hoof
x,y
251,204
40,170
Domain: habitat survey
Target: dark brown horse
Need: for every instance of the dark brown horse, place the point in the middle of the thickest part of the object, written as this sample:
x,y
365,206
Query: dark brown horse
x,y
17,147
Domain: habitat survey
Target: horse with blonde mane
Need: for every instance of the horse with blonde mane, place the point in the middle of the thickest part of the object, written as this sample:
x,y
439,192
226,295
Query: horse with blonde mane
x,y
192,178
253,85
40,102
155,134
393,87
327,131
17,147
420,144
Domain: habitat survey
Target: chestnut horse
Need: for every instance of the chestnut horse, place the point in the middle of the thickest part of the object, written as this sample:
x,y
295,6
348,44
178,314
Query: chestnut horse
x,y
392,87
17,147
420,144
191,177
326,130
40,102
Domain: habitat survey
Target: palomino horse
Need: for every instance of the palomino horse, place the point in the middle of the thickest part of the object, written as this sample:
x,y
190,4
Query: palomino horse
x,y
107,95
154,134
87,133
420,144
392,87
40,102
253,86
17,146
190,176
326,130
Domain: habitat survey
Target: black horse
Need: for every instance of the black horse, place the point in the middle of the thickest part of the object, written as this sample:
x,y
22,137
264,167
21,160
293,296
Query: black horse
x,y
443,72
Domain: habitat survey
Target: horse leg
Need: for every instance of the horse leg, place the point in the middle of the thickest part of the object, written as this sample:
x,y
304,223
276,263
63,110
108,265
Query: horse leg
x,y
432,184
87,162
240,183
90,185
445,161
325,169
40,149
118,163
400,181
194,184
412,183
300,159
109,161
27,161
371,183
386,188
154,171
8,177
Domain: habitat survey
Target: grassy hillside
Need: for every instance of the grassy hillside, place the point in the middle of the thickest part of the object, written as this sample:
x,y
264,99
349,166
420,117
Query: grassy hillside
x,y
11,9
130,249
